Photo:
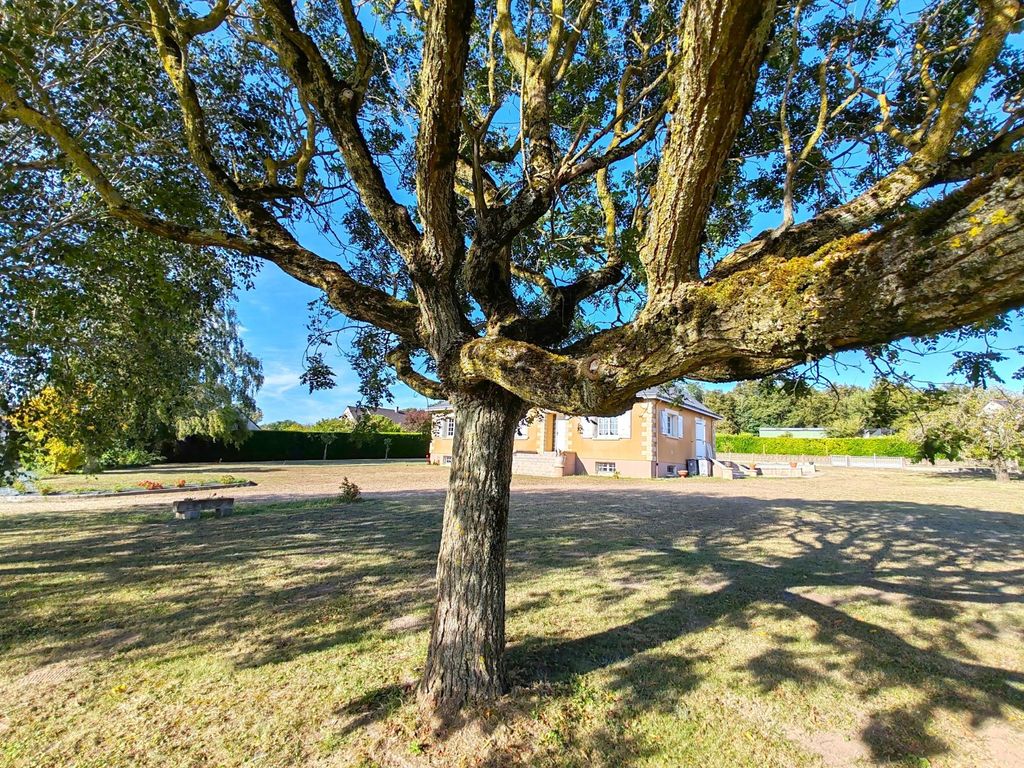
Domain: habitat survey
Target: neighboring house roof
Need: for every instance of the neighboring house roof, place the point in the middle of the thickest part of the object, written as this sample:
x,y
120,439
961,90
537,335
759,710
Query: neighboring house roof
x,y
665,394
397,415
995,405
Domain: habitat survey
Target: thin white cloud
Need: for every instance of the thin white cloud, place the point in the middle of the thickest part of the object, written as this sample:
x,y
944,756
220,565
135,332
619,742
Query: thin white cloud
x,y
279,382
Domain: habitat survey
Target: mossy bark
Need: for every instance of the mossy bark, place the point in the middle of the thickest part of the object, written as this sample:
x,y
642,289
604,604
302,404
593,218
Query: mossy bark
x,y
465,660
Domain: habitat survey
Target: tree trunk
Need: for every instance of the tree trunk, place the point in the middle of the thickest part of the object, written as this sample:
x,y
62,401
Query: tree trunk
x,y
465,661
1002,471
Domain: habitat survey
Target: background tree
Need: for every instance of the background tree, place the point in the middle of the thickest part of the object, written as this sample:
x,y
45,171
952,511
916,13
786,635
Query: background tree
x,y
285,425
985,426
844,410
131,337
542,203
418,420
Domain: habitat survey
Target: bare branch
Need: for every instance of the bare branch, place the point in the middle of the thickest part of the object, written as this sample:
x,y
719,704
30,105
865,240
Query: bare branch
x,y
336,103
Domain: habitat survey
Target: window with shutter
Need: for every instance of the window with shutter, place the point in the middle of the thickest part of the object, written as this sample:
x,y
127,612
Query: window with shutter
x,y
671,424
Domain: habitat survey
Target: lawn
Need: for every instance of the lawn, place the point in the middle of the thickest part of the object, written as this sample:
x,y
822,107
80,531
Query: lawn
x,y
170,474
856,618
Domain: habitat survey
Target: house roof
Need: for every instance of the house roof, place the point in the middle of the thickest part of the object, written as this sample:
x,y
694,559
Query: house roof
x,y
396,415
677,397
665,394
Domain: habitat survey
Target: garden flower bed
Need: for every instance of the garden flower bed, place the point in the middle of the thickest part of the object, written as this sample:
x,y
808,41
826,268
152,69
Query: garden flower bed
x,y
141,488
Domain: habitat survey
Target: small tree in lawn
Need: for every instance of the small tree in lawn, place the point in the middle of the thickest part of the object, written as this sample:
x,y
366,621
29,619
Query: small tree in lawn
x,y
327,438
976,426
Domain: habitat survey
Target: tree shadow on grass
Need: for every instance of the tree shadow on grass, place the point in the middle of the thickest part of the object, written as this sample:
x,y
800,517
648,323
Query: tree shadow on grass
x,y
259,586
931,559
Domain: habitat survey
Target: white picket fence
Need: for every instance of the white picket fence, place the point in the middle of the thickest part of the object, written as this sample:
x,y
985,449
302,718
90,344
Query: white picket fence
x,y
853,462
859,462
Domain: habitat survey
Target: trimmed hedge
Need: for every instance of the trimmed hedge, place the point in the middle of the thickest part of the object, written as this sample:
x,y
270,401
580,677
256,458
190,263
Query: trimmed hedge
x,y
271,445
817,446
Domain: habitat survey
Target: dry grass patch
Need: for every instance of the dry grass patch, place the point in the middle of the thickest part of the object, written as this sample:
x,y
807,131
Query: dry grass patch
x,y
854,619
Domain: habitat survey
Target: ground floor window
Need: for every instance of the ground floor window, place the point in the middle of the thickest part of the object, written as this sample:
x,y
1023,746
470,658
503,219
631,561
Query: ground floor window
x,y
670,470
606,467
446,460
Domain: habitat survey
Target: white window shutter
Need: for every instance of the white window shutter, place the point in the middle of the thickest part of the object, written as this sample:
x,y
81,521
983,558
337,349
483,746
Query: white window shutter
x,y
625,423
665,430
587,427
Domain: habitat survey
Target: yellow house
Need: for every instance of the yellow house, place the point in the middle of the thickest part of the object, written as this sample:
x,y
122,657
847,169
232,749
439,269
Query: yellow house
x,y
663,431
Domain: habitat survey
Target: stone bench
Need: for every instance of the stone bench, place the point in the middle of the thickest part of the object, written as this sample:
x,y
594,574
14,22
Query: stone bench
x,y
190,509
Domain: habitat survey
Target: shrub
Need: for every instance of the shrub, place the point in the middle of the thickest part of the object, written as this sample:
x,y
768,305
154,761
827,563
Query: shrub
x,y
180,483
820,446
349,491
124,456
150,485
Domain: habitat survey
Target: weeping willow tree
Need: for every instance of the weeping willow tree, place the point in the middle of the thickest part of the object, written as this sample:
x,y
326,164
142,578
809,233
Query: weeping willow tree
x,y
544,204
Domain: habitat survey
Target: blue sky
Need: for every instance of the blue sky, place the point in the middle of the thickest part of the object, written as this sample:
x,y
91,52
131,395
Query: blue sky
x,y
273,319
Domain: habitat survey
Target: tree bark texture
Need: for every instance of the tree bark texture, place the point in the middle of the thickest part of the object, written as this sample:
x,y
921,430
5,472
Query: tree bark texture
x,y
465,660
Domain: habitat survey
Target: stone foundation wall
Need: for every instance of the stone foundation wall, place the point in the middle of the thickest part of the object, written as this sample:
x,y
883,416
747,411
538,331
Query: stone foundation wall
x,y
625,468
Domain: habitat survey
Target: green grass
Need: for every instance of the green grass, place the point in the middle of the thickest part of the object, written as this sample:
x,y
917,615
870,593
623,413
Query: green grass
x,y
647,627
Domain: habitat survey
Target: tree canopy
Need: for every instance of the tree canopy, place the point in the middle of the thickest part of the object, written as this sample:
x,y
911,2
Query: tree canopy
x,y
542,133
977,426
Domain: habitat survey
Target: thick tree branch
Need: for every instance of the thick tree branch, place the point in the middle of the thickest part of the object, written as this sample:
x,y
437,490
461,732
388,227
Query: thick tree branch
x,y
442,76
400,358
923,168
723,44
953,263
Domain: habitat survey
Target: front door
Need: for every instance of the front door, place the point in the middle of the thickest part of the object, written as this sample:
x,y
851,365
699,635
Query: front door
x,y
702,446
561,434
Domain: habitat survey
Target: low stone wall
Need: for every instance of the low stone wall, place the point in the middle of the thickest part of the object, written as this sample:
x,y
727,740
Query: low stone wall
x,y
544,464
